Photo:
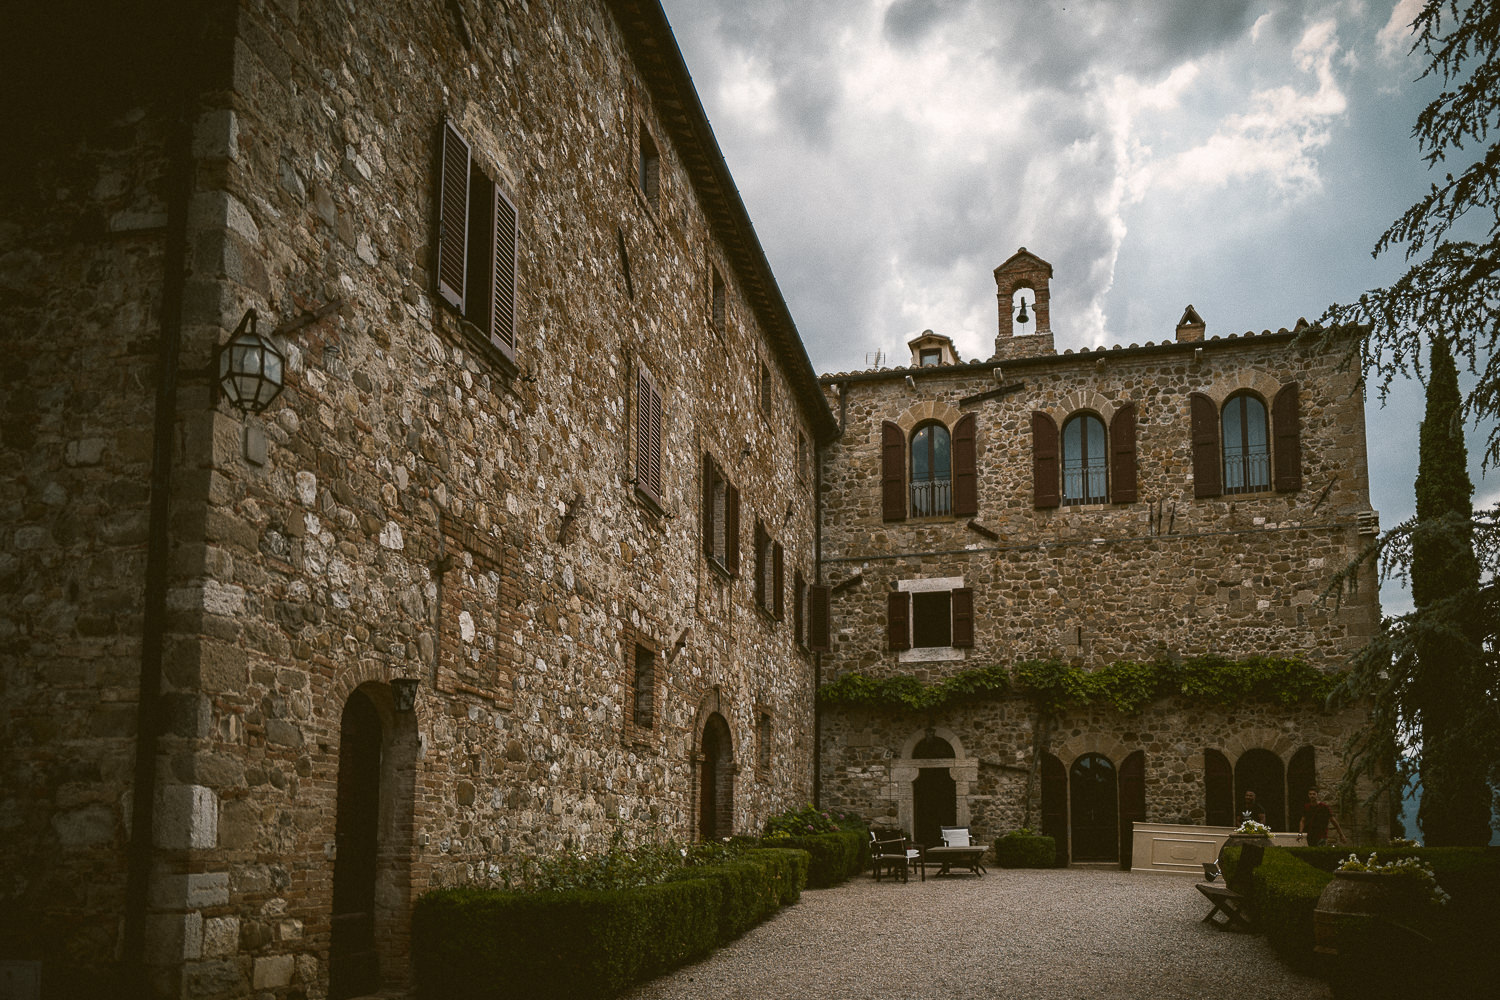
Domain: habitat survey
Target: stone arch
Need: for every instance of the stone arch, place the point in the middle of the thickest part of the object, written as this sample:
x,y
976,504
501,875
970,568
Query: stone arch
x,y
1255,737
1083,399
714,767
374,821
927,409
1068,750
1261,383
906,770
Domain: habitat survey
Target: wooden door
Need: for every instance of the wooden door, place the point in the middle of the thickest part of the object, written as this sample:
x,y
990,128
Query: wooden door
x,y
1094,802
353,961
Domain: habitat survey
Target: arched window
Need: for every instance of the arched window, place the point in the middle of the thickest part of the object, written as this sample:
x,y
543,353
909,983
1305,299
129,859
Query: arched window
x,y
1247,455
1085,460
931,471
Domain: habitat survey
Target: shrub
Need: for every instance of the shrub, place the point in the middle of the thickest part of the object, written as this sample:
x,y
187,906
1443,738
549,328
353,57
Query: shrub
x,y
1285,893
833,857
1025,849
475,944
810,819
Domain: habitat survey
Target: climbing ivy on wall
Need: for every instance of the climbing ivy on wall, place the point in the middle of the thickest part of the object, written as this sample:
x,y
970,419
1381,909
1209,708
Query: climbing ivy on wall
x,y
1125,685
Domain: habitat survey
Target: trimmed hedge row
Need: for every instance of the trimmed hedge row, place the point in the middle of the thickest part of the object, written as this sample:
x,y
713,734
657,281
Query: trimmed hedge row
x,y
1285,893
475,944
835,857
1022,850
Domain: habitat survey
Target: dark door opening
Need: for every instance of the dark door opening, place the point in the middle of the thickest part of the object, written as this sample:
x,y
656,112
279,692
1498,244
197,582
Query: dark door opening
x,y
716,781
1093,797
1260,771
1132,802
934,801
353,960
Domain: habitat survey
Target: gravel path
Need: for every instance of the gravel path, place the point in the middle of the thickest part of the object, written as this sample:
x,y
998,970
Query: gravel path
x,y
1040,935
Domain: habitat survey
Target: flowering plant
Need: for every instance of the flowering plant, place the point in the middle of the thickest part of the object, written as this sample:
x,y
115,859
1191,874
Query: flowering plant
x,y
1412,868
1253,829
810,820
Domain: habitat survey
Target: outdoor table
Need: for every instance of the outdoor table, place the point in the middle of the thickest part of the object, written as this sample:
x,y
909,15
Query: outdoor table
x,y
960,857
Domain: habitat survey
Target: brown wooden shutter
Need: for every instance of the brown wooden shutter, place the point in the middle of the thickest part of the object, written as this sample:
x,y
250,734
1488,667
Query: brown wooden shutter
x,y
965,468
503,297
1122,455
648,435
898,620
799,594
760,565
892,472
453,217
732,529
708,504
963,616
1286,431
817,613
1208,472
1046,478
778,582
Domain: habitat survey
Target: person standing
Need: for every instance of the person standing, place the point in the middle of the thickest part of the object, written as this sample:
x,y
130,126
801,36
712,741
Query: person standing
x,y
1252,809
1316,817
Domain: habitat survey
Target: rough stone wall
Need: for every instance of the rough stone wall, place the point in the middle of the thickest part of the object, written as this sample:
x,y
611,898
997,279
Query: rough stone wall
x,y
1233,575
408,508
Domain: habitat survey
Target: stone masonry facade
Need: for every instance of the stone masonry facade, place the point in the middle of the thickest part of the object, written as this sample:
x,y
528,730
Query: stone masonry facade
x,y
512,520
1145,568
551,454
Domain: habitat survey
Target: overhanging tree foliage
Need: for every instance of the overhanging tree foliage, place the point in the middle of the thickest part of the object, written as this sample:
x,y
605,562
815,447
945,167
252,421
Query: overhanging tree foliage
x,y
1448,296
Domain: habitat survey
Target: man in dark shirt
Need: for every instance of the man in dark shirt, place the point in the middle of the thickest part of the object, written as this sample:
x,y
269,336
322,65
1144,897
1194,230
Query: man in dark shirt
x,y
1252,809
1315,819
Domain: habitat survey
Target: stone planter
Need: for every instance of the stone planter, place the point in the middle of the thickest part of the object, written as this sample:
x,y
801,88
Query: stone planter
x,y
1362,936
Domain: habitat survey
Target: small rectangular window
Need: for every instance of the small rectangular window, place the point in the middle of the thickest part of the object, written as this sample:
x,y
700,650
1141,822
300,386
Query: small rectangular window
x,y
477,240
931,356
932,619
716,302
802,454
799,609
763,743
644,701
721,518
648,168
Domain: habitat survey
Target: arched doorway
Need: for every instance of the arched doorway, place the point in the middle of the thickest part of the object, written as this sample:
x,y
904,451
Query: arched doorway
x,y
1093,798
934,793
1301,774
716,781
353,959
1218,790
1260,771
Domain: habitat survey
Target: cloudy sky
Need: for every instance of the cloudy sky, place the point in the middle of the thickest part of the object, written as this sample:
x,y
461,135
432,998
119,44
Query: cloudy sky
x,y
1239,155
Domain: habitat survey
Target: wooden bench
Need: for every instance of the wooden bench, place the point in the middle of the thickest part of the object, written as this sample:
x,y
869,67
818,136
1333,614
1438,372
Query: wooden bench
x,y
1231,904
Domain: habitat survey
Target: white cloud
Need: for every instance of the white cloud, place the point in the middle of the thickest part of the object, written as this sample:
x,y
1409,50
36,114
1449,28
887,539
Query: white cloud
x,y
1394,40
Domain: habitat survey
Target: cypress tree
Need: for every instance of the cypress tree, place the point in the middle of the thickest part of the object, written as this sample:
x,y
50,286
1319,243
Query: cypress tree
x,y
1448,693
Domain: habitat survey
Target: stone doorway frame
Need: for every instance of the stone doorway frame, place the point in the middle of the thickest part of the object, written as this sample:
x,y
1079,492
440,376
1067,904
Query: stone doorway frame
x,y
963,769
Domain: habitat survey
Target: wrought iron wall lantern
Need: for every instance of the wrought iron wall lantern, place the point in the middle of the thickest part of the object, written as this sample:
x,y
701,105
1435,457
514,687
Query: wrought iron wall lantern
x,y
404,692
251,371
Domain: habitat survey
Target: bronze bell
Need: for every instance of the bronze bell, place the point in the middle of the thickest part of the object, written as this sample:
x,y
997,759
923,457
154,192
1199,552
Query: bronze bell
x,y
1022,316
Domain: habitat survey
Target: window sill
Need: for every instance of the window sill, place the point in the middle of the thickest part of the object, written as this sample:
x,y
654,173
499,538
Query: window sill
x,y
718,567
477,340
931,654
648,501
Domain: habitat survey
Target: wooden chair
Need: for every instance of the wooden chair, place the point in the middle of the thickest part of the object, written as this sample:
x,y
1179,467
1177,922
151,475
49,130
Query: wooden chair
x,y
890,853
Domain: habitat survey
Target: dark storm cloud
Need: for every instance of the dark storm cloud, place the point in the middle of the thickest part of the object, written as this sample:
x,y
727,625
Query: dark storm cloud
x,y
909,21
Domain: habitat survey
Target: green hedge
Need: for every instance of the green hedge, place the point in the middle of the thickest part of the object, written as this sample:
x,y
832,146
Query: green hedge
x,y
1285,894
471,944
1025,850
835,857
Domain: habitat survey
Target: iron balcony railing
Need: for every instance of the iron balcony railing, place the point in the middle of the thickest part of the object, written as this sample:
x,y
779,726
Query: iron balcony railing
x,y
1247,471
1084,485
931,497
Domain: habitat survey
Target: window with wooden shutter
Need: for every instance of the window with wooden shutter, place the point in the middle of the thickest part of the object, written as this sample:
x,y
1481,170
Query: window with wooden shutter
x,y
1122,455
1045,474
965,468
778,582
648,167
1205,429
818,597
648,431
1286,431
963,617
898,620
453,217
711,514
892,472
799,609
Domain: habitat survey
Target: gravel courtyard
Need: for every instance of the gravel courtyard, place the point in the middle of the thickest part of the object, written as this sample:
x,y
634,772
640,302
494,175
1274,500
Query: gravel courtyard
x,y
1042,935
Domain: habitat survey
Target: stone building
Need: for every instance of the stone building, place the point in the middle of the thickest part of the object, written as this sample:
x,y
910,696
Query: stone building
x,y
518,559
1176,499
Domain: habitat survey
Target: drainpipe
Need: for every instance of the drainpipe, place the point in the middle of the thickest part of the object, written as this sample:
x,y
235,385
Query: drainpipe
x,y
158,545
